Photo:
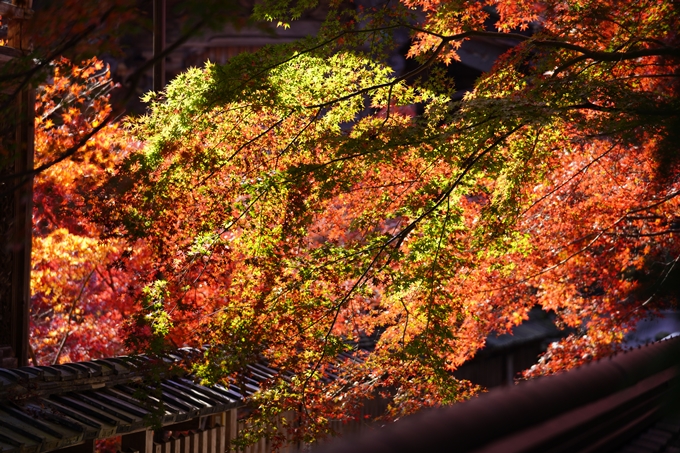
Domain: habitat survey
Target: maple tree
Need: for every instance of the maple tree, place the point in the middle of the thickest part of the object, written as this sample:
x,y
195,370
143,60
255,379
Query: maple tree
x,y
81,289
292,204
62,248
79,295
86,30
289,203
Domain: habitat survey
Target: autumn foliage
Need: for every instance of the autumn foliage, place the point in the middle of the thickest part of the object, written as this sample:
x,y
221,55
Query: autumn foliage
x,y
289,203
80,295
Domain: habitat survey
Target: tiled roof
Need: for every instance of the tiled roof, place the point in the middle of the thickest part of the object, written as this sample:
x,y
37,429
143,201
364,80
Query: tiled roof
x,y
49,407
540,326
623,403
614,404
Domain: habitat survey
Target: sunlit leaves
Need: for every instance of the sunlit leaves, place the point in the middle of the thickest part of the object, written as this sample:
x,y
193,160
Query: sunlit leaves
x,y
295,208
291,202
78,294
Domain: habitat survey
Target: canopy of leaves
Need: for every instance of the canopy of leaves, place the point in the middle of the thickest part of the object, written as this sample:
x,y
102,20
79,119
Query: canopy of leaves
x,y
80,292
290,203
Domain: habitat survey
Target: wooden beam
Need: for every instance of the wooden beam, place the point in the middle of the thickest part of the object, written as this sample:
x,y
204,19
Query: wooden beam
x,y
84,447
158,44
14,11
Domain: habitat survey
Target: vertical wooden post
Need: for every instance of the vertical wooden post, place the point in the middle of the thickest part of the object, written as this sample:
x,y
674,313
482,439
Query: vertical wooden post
x,y
16,37
168,446
203,443
22,234
232,426
195,442
210,440
158,44
186,441
221,439
509,369
16,204
140,441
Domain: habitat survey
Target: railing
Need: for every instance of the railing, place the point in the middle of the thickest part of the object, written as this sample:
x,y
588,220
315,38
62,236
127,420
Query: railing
x,y
209,440
630,399
221,429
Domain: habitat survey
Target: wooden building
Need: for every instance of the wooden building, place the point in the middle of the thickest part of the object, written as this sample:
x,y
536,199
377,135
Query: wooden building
x,y
505,356
153,406
68,407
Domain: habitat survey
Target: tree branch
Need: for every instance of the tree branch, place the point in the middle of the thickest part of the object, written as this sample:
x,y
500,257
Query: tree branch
x,y
68,318
586,53
56,53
